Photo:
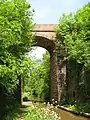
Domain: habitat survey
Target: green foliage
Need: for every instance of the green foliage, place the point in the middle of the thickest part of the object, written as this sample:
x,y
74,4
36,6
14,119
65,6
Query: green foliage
x,y
32,112
78,106
15,39
12,112
36,113
73,36
37,82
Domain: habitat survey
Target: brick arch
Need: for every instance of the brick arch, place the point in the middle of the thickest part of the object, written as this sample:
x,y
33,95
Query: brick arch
x,y
46,43
49,45
45,37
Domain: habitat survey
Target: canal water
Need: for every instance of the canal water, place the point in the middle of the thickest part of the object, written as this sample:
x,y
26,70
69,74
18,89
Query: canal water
x,y
69,116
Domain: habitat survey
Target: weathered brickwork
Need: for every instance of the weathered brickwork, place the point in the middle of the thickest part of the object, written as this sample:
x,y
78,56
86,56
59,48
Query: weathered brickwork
x,y
54,89
45,30
62,81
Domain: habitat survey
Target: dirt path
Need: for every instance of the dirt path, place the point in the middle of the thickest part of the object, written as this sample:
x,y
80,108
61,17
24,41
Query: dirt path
x,y
27,104
24,105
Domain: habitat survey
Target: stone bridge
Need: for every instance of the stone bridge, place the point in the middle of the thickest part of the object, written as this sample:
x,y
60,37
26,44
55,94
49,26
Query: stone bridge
x,y
45,37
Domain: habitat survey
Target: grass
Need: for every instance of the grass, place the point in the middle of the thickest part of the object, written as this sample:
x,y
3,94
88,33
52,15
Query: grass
x,y
80,107
77,106
12,112
34,111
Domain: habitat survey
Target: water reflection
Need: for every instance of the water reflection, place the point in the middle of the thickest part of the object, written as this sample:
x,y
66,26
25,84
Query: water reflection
x,y
69,116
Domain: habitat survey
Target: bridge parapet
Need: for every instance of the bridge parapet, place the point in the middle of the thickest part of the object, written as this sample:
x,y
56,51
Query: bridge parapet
x,y
45,30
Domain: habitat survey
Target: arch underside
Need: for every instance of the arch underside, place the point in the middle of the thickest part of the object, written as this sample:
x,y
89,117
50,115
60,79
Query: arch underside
x,y
49,45
46,43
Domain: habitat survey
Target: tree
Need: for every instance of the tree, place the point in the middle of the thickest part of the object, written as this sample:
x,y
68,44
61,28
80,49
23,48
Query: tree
x,y
37,84
73,35
16,39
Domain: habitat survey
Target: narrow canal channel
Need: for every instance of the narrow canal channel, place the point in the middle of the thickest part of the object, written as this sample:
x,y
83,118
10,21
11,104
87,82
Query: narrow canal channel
x,y
69,116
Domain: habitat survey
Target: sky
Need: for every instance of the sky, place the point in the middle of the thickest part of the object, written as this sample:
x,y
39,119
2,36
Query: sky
x,y
49,12
37,52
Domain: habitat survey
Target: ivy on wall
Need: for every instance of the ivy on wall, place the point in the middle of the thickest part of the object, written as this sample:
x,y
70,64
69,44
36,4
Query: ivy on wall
x,y
73,45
